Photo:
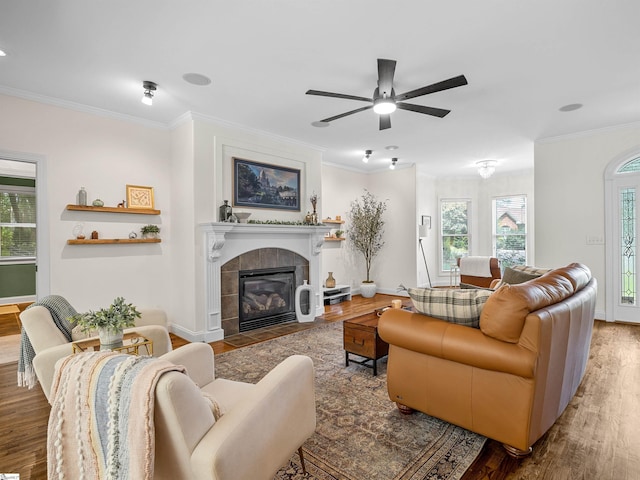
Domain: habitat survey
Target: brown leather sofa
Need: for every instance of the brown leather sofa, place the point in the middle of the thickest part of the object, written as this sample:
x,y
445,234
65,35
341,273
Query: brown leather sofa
x,y
510,379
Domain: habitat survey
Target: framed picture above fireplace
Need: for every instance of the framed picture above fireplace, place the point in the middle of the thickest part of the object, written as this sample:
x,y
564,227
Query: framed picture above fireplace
x,y
261,185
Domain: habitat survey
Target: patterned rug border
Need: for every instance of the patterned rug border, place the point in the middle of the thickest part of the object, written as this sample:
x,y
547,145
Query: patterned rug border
x,y
430,448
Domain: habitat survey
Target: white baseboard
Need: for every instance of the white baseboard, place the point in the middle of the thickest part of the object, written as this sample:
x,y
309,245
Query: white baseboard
x,y
206,337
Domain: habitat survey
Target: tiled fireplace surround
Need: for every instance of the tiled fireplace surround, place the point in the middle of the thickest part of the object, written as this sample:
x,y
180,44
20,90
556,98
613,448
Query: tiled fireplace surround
x,y
231,247
253,260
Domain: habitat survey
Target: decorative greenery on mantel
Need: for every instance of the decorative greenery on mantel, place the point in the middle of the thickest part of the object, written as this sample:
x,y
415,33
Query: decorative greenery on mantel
x,y
283,222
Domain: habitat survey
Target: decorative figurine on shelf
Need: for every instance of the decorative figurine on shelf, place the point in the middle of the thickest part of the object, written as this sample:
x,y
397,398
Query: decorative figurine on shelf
x,y
314,202
133,235
78,231
308,219
225,212
82,197
98,203
122,204
94,235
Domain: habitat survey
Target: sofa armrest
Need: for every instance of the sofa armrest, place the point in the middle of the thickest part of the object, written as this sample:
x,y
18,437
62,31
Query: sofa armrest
x,y
458,343
281,407
198,359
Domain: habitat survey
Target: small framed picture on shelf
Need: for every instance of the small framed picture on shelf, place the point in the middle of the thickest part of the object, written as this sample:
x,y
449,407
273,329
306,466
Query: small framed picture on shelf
x,y
140,197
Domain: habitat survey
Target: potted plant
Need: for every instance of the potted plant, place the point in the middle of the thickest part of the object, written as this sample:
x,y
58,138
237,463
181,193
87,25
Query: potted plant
x,y
339,233
150,231
365,234
108,322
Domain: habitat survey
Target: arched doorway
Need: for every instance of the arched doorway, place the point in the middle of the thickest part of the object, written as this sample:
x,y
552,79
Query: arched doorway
x,y
622,188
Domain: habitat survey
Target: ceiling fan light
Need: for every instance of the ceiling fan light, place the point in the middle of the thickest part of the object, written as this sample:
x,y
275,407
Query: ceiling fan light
x,y
393,164
367,154
486,168
384,106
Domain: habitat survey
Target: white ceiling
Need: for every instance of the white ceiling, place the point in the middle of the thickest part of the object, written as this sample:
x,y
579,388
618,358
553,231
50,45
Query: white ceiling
x,y
523,59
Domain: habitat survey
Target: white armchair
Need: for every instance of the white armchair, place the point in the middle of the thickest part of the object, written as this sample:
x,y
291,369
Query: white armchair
x,y
50,345
261,426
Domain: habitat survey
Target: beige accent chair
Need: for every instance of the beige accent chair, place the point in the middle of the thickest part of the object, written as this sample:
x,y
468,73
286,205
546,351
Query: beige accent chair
x,y
51,345
260,428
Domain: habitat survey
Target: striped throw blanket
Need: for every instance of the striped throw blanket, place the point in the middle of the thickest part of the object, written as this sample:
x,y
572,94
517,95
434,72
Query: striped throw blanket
x,y
101,422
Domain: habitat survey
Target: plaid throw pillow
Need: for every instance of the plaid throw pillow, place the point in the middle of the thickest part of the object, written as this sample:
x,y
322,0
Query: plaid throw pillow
x,y
462,306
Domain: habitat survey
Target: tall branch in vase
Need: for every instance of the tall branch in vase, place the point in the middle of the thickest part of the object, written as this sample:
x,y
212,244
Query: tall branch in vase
x,y
367,228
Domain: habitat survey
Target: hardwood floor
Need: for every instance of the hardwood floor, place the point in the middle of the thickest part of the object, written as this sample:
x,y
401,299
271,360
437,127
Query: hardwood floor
x,y
595,438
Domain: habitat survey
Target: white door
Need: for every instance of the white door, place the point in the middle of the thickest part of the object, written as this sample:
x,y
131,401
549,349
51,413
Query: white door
x,y
626,303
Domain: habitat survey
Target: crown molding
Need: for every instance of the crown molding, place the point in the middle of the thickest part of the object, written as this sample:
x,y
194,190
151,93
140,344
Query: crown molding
x,y
586,133
79,107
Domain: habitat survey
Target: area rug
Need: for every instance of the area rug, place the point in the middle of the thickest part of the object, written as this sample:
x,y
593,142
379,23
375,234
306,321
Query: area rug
x,y
360,433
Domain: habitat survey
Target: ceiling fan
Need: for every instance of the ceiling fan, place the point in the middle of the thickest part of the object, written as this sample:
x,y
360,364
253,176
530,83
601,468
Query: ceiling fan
x,y
385,101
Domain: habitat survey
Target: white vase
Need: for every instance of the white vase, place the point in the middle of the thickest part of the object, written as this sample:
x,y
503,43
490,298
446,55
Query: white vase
x,y
368,290
110,337
311,314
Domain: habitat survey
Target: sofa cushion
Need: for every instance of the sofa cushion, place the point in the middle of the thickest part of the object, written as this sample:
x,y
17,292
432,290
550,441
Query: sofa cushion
x,y
462,306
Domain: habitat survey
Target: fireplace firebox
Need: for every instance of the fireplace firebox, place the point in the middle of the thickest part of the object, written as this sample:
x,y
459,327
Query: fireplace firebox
x,y
266,297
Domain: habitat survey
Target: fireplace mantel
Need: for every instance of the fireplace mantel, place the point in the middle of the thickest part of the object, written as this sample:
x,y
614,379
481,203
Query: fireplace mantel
x,y
224,241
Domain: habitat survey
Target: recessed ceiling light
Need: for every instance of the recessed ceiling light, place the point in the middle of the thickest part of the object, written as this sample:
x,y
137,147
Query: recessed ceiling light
x,y
196,79
571,107
391,147
320,124
3,53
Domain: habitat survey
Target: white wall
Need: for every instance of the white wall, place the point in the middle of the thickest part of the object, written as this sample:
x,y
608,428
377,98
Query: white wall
x,y
570,205
396,262
103,154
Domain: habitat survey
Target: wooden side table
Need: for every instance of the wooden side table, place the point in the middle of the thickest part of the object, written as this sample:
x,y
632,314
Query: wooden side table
x,y
9,309
132,342
361,338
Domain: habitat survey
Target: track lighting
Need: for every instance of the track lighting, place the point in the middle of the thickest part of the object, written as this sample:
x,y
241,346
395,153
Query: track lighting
x,y
367,154
486,168
393,164
149,91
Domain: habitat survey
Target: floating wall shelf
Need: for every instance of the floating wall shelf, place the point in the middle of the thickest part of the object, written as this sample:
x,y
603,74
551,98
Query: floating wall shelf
x,y
111,241
87,208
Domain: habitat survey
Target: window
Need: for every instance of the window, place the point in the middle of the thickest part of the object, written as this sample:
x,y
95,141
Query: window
x,y
510,230
17,222
454,221
630,166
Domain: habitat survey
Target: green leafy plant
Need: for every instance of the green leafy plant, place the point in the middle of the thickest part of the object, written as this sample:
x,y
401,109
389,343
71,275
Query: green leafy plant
x,y
118,316
150,229
339,233
367,227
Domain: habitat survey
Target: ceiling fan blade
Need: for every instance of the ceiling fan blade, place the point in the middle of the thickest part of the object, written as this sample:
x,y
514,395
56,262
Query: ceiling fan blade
x,y
436,112
338,95
386,71
454,82
357,110
385,121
